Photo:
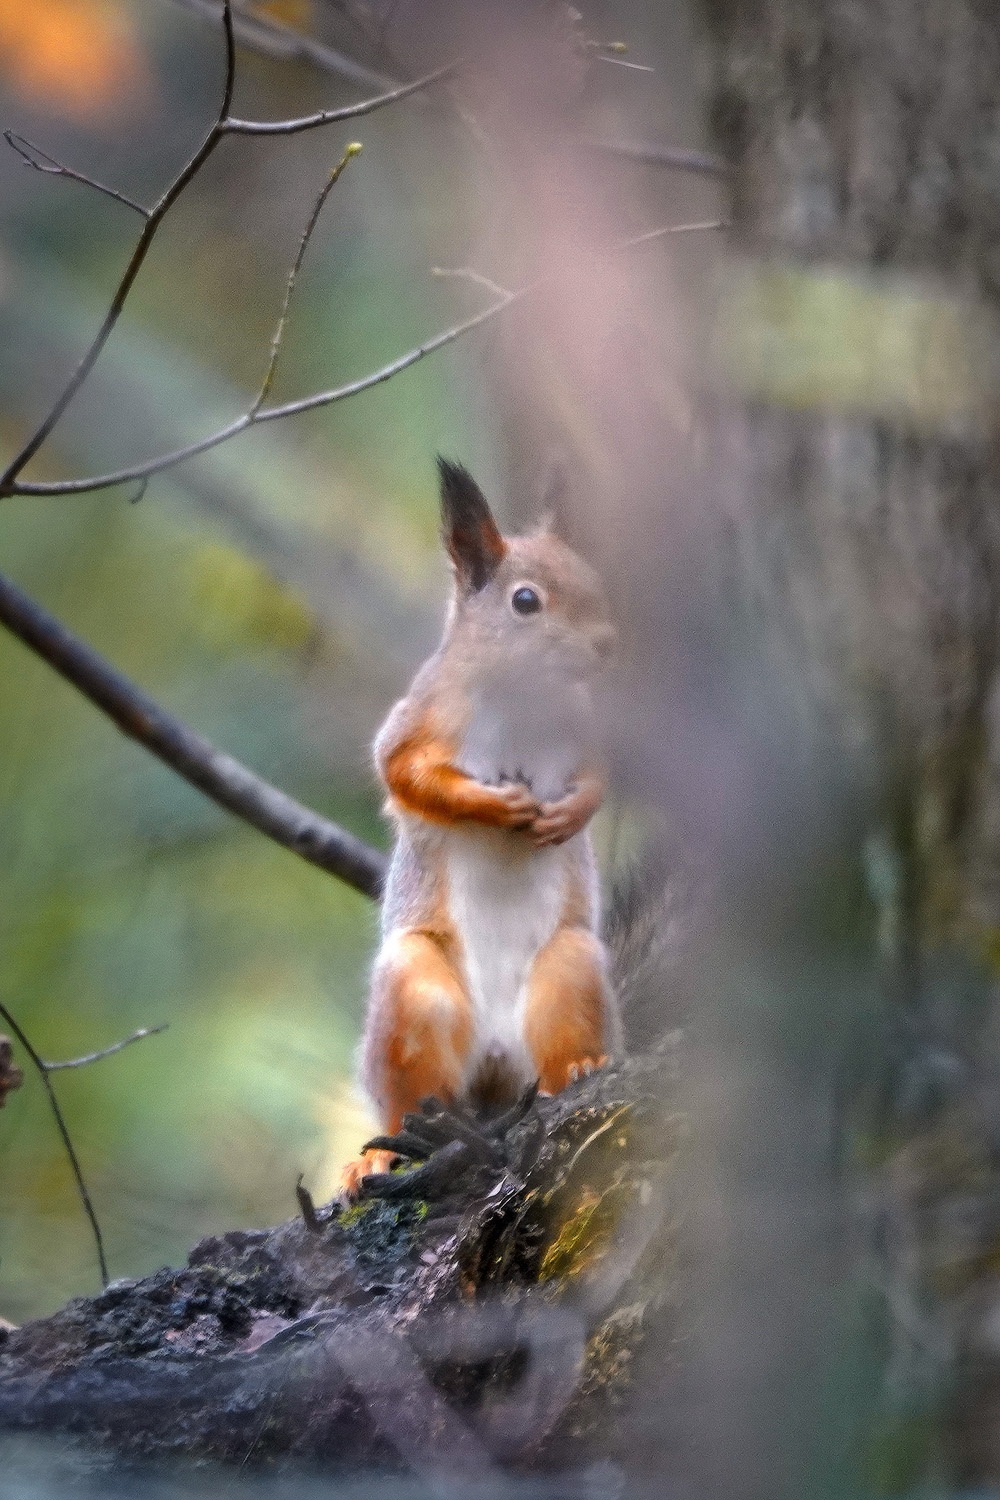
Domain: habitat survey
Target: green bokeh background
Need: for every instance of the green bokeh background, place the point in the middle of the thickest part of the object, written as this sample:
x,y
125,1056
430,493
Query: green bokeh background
x,y
275,593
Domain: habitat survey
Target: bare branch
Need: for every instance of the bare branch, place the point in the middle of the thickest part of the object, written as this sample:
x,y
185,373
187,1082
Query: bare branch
x,y
258,414
154,219
218,775
623,62
700,226
264,414
352,150
466,273
92,1057
270,37
42,1070
235,126
223,124
41,161
678,158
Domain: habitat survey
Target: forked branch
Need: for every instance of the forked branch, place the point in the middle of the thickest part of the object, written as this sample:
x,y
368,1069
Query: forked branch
x,y
258,413
224,124
154,218
43,1069
41,161
213,772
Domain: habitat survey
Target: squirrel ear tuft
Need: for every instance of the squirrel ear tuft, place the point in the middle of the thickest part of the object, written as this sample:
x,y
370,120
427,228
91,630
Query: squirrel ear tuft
x,y
474,543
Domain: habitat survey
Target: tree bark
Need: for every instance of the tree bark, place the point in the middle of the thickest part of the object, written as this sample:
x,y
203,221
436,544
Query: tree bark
x,y
860,468
486,1308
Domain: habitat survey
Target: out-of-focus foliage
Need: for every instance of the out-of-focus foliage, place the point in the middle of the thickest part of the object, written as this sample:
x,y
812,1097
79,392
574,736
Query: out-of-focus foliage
x,y
275,595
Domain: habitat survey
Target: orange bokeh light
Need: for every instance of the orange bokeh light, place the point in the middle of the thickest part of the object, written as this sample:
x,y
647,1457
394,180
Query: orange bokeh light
x,y
79,57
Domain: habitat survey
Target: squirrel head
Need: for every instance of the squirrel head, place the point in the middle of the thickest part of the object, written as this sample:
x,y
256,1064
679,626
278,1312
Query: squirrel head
x,y
523,603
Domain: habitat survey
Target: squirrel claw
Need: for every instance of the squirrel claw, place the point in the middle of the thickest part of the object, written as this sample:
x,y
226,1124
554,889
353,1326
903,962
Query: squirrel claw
x,y
521,807
355,1172
584,1068
558,821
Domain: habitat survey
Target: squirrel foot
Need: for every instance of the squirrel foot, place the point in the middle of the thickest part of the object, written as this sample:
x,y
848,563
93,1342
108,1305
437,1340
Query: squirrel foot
x,y
585,1068
366,1165
581,1068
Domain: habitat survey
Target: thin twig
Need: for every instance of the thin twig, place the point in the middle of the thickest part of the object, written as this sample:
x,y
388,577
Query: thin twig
x,y
256,415
352,150
623,62
43,1072
699,226
223,124
199,762
469,273
92,1057
265,414
272,38
154,219
678,158
236,126
41,161
466,273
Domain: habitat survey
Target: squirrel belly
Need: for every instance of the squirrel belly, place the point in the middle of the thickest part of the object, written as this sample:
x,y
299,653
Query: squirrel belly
x,y
495,903
506,904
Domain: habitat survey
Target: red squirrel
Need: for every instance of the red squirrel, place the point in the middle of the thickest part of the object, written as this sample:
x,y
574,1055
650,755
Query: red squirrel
x,y
491,973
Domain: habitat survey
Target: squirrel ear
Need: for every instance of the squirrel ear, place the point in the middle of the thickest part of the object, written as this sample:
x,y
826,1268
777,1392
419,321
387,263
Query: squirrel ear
x,y
554,517
474,543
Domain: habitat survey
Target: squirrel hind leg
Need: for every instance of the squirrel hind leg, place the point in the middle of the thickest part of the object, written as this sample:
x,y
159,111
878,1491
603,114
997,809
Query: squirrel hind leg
x,y
569,1021
419,1030
417,1039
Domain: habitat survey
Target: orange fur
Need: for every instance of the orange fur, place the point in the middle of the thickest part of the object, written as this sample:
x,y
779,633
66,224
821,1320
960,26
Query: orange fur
x,y
565,1020
507,695
366,1165
421,775
421,1041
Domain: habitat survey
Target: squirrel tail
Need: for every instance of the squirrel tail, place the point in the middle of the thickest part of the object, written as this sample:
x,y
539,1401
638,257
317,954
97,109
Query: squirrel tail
x,y
648,928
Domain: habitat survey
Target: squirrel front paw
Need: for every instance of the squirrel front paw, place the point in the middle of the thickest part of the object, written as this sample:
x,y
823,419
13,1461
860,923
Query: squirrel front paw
x,y
558,821
521,809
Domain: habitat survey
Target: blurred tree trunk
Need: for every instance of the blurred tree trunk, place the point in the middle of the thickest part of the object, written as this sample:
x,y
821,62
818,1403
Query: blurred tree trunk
x,y
861,470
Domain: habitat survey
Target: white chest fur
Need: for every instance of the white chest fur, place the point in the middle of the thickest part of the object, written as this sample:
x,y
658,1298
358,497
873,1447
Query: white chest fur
x,y
533,730
506,896
506,899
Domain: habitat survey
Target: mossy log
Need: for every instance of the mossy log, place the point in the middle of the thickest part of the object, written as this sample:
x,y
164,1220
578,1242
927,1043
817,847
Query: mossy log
x,y
480,1309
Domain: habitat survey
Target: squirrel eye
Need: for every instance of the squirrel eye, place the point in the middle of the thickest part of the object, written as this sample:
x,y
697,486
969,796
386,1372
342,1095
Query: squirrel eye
x,y
525,601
